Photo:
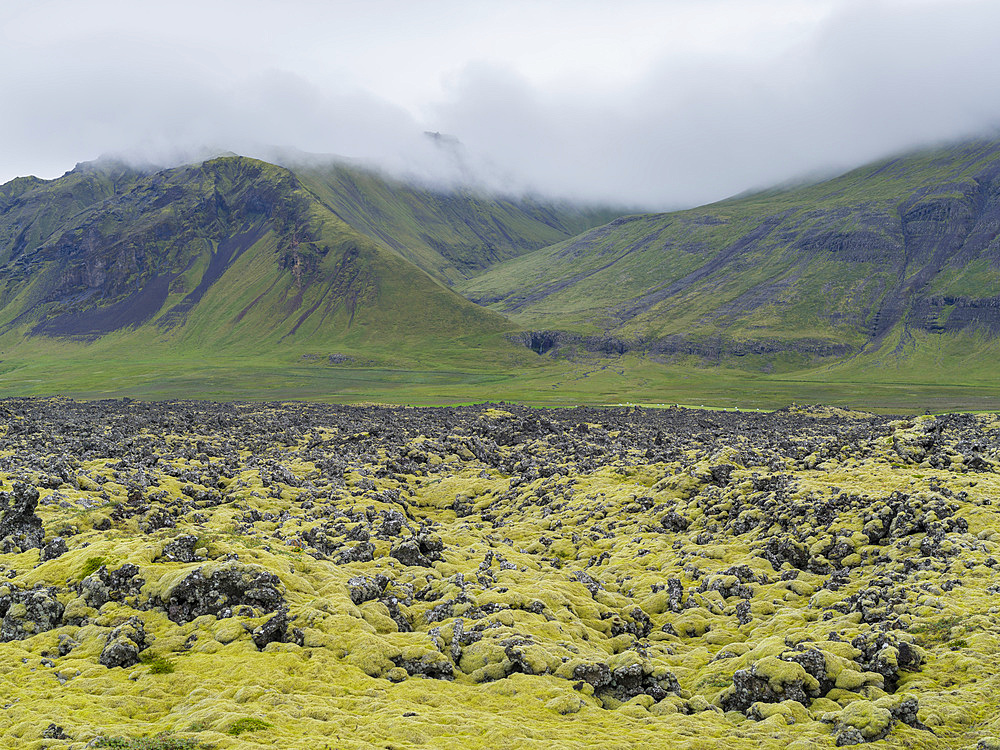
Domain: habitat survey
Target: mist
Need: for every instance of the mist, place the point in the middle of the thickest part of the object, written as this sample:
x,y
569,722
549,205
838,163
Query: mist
x,y
650,104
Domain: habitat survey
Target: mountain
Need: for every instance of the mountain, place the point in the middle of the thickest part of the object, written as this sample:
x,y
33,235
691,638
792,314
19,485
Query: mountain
x,y
904,250
453,234
239,277
238,254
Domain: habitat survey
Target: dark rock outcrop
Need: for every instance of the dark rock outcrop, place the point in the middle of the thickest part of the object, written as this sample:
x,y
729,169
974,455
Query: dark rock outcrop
x,y
28,613
626,682
20,528
124,644
226,590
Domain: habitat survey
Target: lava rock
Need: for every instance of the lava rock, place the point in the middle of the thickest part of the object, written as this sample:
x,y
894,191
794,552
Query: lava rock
x,y
54,549
421,550
674,521
124,644
273,630
20,528
180,549
66,644
221,591
111,585
887,654
55,732
771,680
626,682
27,613
434,666
365,588
362,552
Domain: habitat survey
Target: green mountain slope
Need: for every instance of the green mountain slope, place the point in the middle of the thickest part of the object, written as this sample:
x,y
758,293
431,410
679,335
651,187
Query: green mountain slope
x,y
903,247
239,278
31,210
451,234
231,255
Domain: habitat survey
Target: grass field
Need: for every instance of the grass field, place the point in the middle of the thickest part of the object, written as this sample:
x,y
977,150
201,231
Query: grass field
x,y
73,371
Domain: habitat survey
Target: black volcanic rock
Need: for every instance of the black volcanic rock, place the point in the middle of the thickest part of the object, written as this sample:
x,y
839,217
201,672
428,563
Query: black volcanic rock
x,y
20,528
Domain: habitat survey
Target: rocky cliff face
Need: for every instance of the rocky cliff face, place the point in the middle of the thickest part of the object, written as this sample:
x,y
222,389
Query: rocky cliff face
x,y
232,248
114,263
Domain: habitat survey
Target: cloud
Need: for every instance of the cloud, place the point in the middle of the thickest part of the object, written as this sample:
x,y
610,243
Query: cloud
x,y
80,104
873,79
655,104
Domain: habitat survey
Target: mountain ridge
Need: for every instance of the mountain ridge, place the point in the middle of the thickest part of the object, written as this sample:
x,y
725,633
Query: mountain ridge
x,y
107,248
887,274
909,241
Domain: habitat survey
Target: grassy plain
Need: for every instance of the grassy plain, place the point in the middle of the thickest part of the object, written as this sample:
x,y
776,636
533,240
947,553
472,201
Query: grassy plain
x,y
497,373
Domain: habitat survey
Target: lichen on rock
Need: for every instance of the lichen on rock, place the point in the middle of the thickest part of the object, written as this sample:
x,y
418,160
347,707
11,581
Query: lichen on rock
x,y
20,528
222,590
124,644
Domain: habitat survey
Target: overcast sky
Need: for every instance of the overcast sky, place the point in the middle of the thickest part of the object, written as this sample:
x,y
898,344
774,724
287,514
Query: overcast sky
x,y
664,103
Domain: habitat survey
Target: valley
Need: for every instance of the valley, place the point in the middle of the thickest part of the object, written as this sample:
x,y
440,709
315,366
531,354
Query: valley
x,y
337,283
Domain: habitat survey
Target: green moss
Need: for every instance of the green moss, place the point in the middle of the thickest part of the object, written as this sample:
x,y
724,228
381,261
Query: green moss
x,y
565,704
852,679
514,628
157,663
871,720
159,742
780,673
91,566
248,724
937,630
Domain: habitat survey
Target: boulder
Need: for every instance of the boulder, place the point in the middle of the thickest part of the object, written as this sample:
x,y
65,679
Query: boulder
x,y
20,528
124,644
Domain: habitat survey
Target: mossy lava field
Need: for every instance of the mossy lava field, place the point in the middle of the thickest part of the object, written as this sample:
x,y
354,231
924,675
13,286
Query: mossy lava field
x,y
196,575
